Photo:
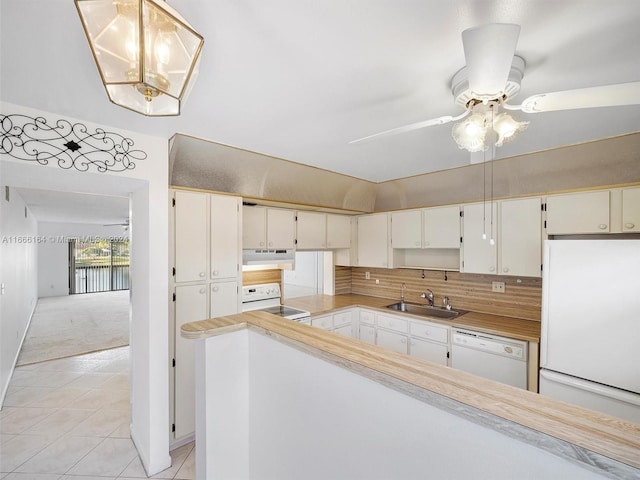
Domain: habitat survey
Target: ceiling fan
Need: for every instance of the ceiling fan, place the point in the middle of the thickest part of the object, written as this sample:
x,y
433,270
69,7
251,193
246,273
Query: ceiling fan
x,y
491,77
124,224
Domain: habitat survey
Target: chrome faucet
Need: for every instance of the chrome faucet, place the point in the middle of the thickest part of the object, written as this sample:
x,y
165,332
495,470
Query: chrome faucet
x,y
402,293
428,297
447,303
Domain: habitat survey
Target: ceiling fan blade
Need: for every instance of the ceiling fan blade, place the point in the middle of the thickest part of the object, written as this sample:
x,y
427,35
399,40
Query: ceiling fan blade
x,y
414,126
591,97
489,52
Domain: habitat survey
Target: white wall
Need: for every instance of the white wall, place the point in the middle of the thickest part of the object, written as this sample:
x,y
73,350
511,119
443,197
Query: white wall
x,y
18,278
53,254
147,188
273,411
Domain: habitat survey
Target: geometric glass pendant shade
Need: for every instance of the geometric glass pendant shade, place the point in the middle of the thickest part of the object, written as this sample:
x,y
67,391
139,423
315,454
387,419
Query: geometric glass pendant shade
x,y
147,54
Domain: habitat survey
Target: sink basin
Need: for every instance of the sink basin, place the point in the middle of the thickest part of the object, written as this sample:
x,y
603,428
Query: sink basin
x,y
426,310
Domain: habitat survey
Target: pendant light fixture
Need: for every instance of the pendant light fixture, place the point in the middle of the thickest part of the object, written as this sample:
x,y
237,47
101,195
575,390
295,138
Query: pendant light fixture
x,y
147,54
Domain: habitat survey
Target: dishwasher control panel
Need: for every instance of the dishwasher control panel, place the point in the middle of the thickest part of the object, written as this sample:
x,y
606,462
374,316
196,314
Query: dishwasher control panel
x,y
490,343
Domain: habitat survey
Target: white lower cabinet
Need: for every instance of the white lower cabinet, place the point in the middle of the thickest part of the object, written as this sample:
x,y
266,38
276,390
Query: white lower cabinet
x,y
367,333
346,330
433,352
324,322
392,340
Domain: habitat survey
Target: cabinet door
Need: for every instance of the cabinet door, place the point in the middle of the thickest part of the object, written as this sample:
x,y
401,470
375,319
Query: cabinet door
x,y
392,322
433,352
521,237
190,306
406,229
254,227
191,236
373,240
225,236
281,228
441,227
392,340
367,333
578,213
338,231
311,231
345,330
479,256
225,299
631,210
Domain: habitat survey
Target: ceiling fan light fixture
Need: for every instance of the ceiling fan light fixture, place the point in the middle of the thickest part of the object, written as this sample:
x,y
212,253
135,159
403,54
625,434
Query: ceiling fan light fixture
x,y
478,131
147,55
470,133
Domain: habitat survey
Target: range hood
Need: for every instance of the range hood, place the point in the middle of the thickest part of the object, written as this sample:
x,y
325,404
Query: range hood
x,y
268,257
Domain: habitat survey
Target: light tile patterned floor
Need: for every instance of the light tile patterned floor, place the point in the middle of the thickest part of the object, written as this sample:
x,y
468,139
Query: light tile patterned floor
x,y
69,419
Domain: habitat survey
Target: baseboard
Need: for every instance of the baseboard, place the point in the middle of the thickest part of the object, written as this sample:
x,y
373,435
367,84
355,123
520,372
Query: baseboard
x,y
5,387
182,442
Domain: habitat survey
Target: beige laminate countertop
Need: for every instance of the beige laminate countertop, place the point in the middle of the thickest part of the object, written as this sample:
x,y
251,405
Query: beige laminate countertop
x,y
517,328
603,443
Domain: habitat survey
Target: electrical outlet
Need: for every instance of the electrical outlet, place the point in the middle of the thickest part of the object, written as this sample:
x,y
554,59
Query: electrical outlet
x,y
497,287
377,282
367,275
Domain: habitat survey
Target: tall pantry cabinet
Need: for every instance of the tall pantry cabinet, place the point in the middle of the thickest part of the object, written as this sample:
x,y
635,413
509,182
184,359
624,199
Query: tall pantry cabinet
x,y
205,281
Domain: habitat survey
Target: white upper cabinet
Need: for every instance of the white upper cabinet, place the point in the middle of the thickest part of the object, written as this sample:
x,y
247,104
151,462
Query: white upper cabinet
x,y
478,254
254,227
576,213
281,228
311,230
373,241
266,228
338,231
191,238
406,229
436,227
631,209
225,236
520,242
441,227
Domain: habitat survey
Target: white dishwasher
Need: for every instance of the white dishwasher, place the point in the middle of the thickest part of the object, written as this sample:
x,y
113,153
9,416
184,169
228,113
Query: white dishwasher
x,y
489,356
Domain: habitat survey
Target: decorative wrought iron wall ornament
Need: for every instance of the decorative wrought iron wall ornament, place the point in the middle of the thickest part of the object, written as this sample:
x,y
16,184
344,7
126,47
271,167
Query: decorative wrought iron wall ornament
x,y
70,145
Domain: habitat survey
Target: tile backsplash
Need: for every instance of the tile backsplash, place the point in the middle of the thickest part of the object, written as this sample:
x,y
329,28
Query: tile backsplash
x,y
522,297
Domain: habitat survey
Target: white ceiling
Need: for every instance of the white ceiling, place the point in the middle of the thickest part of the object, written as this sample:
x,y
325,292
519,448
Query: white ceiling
x,y
298,80
71,207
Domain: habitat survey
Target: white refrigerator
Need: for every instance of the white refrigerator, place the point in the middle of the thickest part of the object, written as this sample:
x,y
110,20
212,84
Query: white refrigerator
x,y
590,345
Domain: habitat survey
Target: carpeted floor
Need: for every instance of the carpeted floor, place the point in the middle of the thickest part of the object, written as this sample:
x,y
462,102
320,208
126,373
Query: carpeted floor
x,y
76,324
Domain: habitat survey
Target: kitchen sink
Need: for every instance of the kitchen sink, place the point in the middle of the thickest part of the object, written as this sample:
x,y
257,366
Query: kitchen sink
x,y
426,310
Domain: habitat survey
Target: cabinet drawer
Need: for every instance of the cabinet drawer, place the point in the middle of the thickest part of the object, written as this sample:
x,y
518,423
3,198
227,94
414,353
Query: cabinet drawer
x,y
430,331
367,316
325,322
392,323
342,318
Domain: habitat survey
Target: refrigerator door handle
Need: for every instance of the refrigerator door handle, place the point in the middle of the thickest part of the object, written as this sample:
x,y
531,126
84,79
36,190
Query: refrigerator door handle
x,y
597,388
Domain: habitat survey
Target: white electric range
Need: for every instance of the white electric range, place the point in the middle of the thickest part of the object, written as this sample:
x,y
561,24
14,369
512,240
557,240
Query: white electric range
x,y
266,298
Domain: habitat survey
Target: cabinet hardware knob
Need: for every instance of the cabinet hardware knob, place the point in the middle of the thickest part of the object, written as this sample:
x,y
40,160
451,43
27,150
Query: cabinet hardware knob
x,y
215,289
202,274
505,269
629,225
215,273
602,226
492,269
203,290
